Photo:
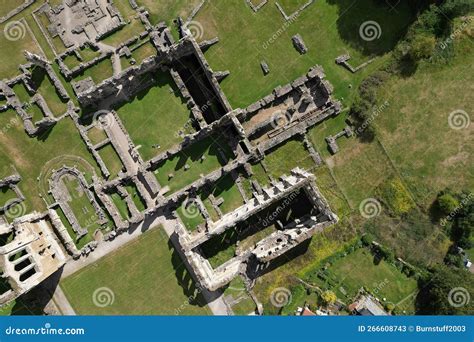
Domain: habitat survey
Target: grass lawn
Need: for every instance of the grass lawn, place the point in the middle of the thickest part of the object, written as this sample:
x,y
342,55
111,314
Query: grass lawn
x,y
144,51
226,188
236,290
133,27
46,88
84,240
329,29
6,195
136,197
155,116
96,135
208,147
168,10
12,54
8,5
36,157
220,248
121,206
286,157
190,216
80,205
111,160
415,130
358,269
153,281
98,72
36,113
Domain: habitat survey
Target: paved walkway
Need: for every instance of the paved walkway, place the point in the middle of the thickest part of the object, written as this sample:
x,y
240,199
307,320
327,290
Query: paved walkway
x,y
62,303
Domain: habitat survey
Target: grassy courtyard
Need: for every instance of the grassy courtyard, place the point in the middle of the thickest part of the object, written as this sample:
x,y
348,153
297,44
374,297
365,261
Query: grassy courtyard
x,y
226,189
156,116
153,281
192,156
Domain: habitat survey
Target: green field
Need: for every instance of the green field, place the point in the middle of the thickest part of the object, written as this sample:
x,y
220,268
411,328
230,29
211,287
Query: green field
x,y
226,189
153,281
155,117
36,157
329,29
168,10
359,269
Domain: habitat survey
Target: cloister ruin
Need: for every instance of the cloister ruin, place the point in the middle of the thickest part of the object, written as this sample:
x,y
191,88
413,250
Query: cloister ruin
x,y
287,112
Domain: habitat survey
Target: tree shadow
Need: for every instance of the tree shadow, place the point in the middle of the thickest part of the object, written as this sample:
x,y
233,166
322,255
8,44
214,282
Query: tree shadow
x,y
384,24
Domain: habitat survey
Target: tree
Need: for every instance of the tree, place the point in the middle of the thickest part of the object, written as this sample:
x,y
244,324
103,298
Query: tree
x,y
328,297
446,292
422,47
447,203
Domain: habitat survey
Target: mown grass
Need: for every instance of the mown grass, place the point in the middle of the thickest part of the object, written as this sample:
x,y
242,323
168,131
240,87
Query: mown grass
x,y
30,155
329,28
156,116
154,281
192,156
226,189
111,160
168,10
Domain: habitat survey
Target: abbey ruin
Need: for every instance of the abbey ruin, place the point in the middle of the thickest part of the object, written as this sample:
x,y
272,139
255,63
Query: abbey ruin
x,y
41,243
